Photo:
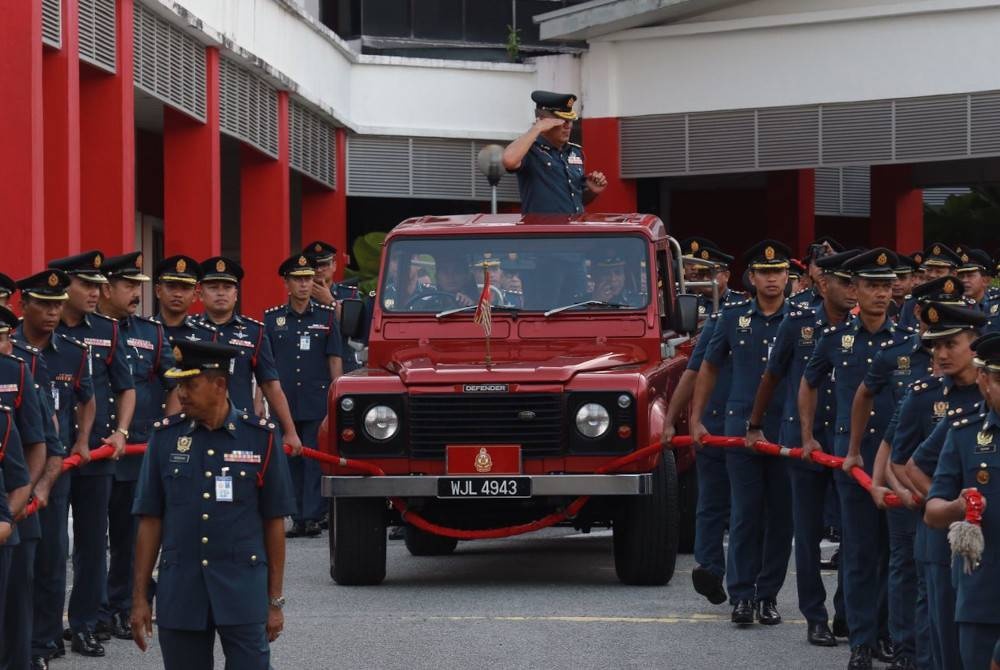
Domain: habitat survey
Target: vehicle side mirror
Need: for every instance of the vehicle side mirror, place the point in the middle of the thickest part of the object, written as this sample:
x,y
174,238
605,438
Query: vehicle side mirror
x,y
686,313
352,320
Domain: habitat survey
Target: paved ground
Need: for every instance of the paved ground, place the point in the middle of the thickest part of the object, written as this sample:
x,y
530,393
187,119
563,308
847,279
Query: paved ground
x,y
548,600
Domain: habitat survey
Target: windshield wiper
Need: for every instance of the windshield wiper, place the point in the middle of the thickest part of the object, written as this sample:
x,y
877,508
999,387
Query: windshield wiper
x,y
585,303
459,310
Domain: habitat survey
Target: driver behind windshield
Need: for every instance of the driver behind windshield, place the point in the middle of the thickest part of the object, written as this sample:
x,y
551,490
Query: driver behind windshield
x,y
454,277
608,275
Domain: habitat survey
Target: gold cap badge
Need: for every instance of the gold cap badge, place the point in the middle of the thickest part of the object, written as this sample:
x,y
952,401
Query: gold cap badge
x,y
53,279
318,247
220,266
694,246
965,258
932,315
98,260
705,254
769,253
949,286
882,259
302,260
177,354
936,250
181,265
138,262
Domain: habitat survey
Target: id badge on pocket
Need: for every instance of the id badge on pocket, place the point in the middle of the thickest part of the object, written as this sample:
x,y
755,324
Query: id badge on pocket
x,y
224,489
55,398
305,343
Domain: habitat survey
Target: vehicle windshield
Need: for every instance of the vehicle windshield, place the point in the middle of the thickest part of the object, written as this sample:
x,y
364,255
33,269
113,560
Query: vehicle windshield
x,y
531,273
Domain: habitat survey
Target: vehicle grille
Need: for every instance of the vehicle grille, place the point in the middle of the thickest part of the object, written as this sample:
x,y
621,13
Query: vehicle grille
x,y
439,420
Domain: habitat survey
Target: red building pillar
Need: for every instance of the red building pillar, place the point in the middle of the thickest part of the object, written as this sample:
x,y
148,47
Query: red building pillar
x,y
602,152
192,174
265,219
324,210
897,209
107,146
21,170
61,115
791,208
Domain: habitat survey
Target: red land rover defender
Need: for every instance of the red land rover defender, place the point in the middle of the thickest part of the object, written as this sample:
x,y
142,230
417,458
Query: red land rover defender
x,y
588,339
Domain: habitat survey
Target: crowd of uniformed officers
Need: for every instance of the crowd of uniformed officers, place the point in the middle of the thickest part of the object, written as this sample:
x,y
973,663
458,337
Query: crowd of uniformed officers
x,y
892,362
215,396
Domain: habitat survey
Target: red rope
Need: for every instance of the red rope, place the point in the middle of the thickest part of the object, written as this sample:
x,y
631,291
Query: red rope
x,y
770,449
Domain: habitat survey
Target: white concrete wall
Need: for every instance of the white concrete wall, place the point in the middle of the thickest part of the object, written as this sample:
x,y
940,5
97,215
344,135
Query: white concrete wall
x,y
869,52
375,94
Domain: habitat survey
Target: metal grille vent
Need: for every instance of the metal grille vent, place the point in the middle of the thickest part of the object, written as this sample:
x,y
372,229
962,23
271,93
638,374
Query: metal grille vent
x,y
312,145
844,134
98,38
433,168
168,64
52,23
248,107
844,191
927,127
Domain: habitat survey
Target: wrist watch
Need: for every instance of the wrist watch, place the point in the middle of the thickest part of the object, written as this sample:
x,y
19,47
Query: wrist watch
x,y
754,426
122,431
278,602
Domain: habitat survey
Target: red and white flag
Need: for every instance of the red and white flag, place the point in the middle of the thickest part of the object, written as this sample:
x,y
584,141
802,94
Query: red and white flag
x,y
484,313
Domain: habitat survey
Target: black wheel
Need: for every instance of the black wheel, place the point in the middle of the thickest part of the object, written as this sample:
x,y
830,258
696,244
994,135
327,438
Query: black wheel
x,y
645,530
687,503
357,541
420,543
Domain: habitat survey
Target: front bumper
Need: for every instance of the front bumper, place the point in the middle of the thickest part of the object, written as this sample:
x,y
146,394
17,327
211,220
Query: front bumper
x,y
541,485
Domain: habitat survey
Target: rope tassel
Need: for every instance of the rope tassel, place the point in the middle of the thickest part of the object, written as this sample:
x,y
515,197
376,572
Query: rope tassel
x,y
966,537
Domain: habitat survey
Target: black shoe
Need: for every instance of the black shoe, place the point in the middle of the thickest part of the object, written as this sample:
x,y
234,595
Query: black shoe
x,y
120,626
861,658
298,529
903,663
86,644
820,635
743,613
708,585
840,628
767,612
39,663
397,533
311,529
885,651
833,563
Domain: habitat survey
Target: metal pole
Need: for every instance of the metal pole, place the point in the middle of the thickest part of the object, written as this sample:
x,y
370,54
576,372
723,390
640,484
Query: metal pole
x,y
493,199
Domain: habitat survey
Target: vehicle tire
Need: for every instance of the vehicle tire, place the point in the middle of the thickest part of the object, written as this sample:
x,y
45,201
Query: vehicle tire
x,y
645,530
687,508
357,541
421,543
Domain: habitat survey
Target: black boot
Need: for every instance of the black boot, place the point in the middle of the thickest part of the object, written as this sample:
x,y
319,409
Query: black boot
x,y
708,585
743,613
861,658
85,644
820,635
767,612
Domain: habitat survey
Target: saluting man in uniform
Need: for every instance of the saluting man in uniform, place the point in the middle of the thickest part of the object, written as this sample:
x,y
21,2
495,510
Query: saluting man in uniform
x,y
90,485
176,283
220,287
970,460
760,528
847,350
72,400
213,493
550,174
149,357
794,344
306,342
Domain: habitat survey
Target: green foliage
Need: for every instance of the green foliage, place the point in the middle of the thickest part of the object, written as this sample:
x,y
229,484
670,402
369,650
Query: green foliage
x,y
972,219
366,254
513,43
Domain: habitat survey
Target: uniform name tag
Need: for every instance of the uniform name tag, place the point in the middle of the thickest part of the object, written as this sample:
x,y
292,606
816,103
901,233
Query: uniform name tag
x,y
305,343
96,342
8,388
241,457
241,343
574,160
224,489
140,344
319,326
180,458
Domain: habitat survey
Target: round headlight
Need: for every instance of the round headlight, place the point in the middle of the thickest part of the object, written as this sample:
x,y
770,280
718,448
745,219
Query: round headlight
x,y
592,420
381,423
347,404
624,401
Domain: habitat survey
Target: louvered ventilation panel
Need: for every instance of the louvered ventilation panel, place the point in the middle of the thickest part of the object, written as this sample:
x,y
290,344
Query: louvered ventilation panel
x,y
857,132
442,168
312,145
378,166
168,64
97,33
828,191
856,190
507,188
932,127
52,23
985,130
787,137
248,107
720,141
653,145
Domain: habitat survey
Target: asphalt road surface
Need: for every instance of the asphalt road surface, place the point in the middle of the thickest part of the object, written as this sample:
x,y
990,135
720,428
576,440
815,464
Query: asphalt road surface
x,y
545,600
